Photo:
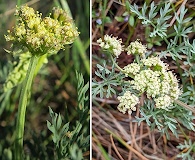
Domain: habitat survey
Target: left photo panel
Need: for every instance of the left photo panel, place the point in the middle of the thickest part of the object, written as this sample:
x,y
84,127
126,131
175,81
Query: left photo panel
x,y
44,79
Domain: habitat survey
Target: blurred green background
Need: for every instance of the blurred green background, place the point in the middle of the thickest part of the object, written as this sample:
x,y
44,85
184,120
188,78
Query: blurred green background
x,y
54,86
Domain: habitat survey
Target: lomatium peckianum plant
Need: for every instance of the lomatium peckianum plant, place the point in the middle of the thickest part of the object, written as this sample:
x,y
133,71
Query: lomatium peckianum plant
x,y
37,38
146,80
150,76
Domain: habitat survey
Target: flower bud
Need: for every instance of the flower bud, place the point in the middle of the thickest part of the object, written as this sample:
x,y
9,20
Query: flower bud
x,y
55,13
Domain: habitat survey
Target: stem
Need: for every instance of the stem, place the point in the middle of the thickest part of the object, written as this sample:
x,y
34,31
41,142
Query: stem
x,y
116,65
185,105
137,59
25,94
18,3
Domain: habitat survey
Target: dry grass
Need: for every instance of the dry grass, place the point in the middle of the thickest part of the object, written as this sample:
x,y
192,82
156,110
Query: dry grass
x,y
124,139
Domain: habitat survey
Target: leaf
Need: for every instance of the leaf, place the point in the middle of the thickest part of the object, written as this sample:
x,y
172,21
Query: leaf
x,y
131,20
152,12
82,92
56,127
75,152
107,20
119,18
59,122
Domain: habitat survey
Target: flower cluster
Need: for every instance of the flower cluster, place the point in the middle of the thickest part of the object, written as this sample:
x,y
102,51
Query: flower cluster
x,y
41,36
151,76
147,81
127,102
111,44
136,48
131,69
157,82
156,63
163,102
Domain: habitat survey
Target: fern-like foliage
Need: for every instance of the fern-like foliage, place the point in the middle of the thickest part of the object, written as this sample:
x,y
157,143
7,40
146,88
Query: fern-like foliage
x,y
70,144
190,147
110,79
165,120
156,21
149,18
83,103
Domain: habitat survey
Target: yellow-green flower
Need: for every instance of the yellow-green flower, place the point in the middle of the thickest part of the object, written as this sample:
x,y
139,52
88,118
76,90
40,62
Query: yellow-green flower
x,y
38,36
42,35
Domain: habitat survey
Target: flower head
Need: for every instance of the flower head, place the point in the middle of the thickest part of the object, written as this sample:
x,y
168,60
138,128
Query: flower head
x,y
136,48
163,102
41,36
127,102
156,81
175,92
111,44
155,63
132,68
147,81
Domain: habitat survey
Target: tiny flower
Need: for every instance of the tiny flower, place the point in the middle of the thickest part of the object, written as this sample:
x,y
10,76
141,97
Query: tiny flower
x,y
147,81
99,21
156,63
165,87
41,36
156,81
132,68
69,134
163,102
136,48
127,102
111,44
175,92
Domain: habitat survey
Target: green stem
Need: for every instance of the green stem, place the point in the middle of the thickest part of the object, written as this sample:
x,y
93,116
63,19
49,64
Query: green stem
x,y
18,3
137,59
116,65
185,105
25,94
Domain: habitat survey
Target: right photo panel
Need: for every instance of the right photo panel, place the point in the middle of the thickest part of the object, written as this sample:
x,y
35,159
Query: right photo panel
x,y
143,85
